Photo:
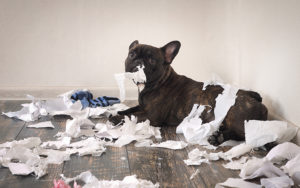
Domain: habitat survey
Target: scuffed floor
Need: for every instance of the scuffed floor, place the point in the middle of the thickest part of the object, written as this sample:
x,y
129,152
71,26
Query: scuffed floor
x,y
155,164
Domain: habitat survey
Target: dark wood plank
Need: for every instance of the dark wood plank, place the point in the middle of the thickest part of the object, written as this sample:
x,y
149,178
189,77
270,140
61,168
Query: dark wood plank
x,y
10,128
213,172
169,133
159,165
112,165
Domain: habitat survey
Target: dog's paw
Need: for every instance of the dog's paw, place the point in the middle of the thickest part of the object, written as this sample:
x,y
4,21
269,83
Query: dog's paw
x,y
116,120
122,113
216,138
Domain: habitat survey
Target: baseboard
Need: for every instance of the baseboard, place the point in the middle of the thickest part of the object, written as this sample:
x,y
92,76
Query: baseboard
x,y
19,93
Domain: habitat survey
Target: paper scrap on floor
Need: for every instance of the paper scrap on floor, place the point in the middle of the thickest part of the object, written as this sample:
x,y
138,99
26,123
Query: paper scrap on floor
x,y
192,128
45,124
91,181
171,144
62,105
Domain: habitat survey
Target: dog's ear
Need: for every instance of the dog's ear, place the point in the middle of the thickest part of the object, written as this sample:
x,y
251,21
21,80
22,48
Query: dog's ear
x,y
170,50
133,44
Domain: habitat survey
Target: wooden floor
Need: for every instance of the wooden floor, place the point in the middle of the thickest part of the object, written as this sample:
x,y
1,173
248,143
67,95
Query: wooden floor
x,y
154,164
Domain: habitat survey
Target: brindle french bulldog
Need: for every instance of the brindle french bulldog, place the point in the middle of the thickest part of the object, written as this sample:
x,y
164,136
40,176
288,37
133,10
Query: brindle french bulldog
x,y
168,98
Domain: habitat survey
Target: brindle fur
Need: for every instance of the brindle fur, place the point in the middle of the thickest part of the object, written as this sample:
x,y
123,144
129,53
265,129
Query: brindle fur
x,y
168,97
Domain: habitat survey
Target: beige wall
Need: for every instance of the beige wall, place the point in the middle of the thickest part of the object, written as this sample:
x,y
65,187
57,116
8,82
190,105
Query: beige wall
x,y
52,45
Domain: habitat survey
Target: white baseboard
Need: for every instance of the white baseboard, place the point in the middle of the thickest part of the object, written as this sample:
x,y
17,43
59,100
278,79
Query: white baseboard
x,y
19,93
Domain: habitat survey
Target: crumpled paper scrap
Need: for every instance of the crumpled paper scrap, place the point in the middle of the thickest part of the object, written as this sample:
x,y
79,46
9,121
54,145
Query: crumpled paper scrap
x,y
195,174
45,124
197,157
259,133
277,182
57,144
29,112
283,151
237,183
192,128
237,164
251,166
62,105
129,181
267,169
131,130
292,167
138,77
75,127
171,144
90,146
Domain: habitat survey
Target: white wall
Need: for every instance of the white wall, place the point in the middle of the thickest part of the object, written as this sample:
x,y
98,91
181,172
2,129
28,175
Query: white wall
x,y
49,46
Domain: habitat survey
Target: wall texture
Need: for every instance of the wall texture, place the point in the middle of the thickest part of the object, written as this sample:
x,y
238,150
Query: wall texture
x,y
50,46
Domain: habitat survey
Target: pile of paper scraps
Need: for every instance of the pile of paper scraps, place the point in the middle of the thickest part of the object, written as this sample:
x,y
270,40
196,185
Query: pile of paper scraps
x,y
31,156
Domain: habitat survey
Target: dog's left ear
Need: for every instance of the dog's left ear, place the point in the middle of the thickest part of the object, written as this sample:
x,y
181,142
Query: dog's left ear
x,y
133,44
170,50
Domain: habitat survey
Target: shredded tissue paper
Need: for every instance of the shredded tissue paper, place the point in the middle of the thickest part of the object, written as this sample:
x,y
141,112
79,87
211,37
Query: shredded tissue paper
x,y
32,156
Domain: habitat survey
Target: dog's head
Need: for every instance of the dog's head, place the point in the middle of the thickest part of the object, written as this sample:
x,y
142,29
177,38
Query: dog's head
x,y
155,60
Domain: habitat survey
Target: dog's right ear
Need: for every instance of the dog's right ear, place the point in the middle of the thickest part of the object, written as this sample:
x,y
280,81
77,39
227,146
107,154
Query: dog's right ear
x,y
170,50
133,44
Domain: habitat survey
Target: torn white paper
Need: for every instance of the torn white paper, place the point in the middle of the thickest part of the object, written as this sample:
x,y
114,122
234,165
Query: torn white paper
x,y
215,80
251,166
75,127
267,169
29,142
193,129
259,133
237,183
28,159
138,77
53,156
237,151
19,169
171,144
292,167
129,181
45,124
195,174
90,146
131,130
57,144
231,143
143,143
237,164
29,112
277,182
283,151
197,157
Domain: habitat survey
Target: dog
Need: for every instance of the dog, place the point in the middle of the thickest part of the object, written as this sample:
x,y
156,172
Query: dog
x,y
167,98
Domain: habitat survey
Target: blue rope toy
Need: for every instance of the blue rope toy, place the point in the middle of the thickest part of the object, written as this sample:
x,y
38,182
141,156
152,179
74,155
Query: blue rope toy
x,y
86,99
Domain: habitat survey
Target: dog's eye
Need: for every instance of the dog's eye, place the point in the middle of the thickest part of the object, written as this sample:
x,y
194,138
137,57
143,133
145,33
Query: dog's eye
x,y
150,59
131,55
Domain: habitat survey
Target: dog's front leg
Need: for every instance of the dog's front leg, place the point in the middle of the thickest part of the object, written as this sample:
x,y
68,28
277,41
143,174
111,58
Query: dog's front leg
x,y
135,111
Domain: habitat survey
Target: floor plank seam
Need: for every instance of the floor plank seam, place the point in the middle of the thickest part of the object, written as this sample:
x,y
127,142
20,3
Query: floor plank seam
x,y
128,163
24,124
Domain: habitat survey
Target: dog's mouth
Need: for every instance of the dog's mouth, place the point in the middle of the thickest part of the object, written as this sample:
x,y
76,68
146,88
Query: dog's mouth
x,y
140,85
